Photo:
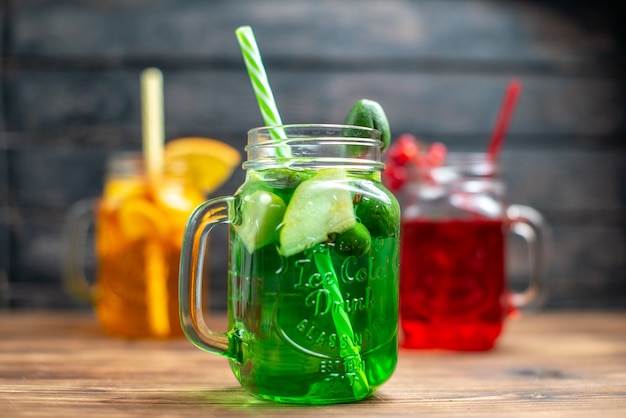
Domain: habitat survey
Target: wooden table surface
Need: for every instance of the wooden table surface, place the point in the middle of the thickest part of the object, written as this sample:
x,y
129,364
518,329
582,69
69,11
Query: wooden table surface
x,y
569,364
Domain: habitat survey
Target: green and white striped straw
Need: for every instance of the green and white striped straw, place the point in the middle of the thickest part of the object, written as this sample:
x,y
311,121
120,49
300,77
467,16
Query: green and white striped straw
x,y
261,85
265,98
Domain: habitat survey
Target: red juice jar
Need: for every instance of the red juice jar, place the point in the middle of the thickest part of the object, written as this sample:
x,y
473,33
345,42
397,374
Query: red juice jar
x,y
453,287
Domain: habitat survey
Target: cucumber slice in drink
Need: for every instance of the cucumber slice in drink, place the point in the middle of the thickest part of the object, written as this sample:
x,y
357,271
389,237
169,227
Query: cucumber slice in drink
x,y
320,206
261,213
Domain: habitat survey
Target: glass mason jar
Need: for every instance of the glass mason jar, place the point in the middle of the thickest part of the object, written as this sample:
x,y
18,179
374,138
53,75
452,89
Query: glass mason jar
x,y
139,225
454,291
313,267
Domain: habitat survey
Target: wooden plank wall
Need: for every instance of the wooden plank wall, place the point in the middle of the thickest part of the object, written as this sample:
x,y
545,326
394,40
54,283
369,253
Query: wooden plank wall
x,y
70,97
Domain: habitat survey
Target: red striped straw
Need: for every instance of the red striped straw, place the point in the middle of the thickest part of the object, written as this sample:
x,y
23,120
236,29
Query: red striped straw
x,y
501,127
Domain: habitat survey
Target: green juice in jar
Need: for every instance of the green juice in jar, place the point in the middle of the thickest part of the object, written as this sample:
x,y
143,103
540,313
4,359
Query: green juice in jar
x,y
313,275
297,349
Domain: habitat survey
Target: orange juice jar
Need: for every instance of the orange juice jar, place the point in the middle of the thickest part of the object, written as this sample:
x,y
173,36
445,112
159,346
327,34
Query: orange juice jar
x,y
139,226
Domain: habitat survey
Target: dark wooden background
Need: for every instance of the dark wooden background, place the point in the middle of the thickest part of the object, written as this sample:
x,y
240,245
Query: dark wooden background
x,y
70,97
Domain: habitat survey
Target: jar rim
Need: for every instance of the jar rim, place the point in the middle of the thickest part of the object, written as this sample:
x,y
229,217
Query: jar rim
x,y
314,145
479,163
329,126
469,156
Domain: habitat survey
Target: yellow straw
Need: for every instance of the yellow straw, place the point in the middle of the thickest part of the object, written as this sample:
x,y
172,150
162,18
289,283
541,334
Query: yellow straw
x,y
155,270
153,125
156,288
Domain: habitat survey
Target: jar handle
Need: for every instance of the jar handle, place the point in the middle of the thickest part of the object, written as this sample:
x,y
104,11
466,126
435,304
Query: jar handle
x,y
192,259
530,225
77,223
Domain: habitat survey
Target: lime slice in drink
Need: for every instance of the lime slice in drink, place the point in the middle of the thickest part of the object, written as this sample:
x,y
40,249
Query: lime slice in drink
x,y
261,213
320,206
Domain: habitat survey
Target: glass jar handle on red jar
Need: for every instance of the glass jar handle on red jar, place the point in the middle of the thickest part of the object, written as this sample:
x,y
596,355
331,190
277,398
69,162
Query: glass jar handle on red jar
x,y
530,225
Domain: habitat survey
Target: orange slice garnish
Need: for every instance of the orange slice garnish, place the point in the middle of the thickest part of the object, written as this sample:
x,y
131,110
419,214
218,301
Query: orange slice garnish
x,y
206,163
177,200
140,218
118,190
